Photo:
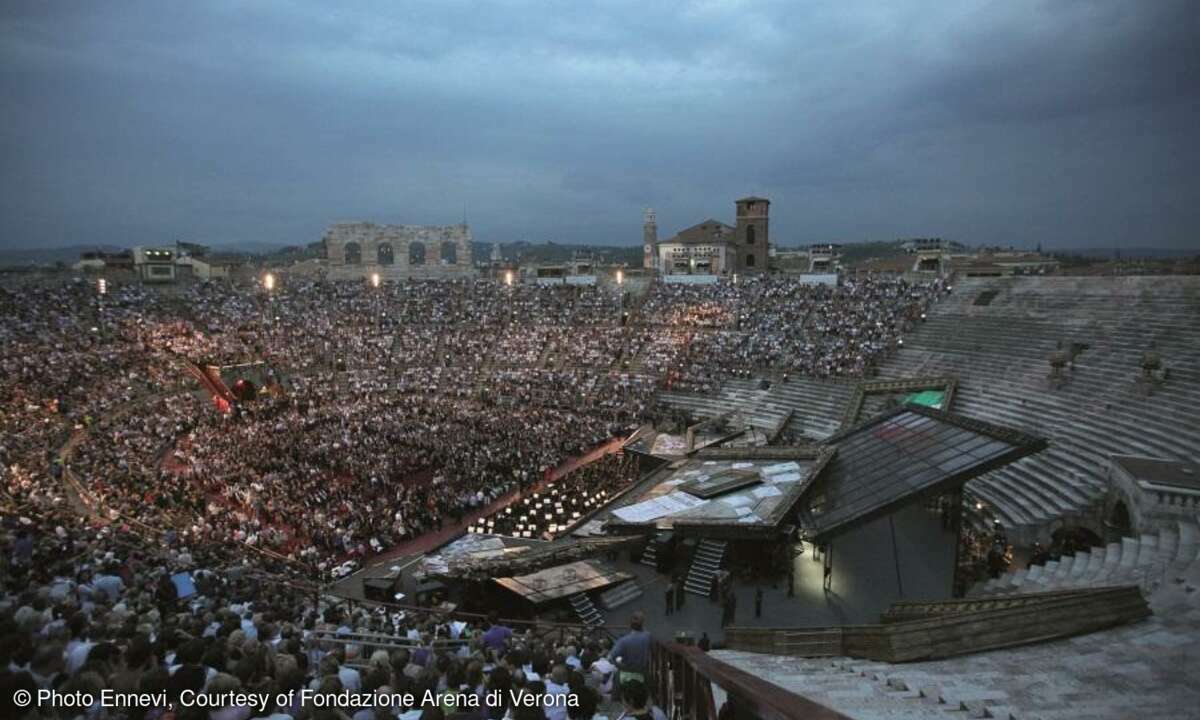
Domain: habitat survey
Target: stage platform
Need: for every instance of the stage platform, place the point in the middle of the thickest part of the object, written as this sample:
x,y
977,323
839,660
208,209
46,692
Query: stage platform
x,y
563,581
728,429
746,494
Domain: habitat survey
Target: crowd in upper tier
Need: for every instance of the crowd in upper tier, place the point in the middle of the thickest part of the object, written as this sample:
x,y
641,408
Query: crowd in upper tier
x,y
400,408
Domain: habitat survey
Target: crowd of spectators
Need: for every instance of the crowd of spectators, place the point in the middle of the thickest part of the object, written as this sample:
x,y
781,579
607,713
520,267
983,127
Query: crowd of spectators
x,y
391,411
404,406
90,609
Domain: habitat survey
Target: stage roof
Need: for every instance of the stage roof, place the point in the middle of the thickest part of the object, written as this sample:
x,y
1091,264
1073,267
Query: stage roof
x,y
903,456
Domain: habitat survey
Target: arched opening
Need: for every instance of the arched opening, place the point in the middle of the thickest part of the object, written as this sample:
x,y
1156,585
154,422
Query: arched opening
x,y
449,253
385,255
749,234
353,253
416,253
1070,540
750,260
1118,519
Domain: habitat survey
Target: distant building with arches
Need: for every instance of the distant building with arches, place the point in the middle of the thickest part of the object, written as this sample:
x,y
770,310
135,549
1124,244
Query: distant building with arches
x,y
397,252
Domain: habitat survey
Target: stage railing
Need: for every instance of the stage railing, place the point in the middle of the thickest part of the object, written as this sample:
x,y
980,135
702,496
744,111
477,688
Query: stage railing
x,y
682,679
543,628
947,629
370,642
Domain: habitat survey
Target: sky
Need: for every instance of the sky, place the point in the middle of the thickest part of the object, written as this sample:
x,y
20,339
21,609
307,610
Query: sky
x,y
1068,123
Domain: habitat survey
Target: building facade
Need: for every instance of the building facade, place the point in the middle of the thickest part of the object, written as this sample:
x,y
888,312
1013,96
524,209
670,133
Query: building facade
x,y
154,264
1146,494
712,247
702,249
398,252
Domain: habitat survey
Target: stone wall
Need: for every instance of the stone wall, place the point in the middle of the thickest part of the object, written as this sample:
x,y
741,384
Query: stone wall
x,y
398,252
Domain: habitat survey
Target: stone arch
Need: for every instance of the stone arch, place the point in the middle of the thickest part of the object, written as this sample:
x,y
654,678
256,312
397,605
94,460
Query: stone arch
x,y
353,253
1119,518
750,260
384,254
449,254
416,253
749,234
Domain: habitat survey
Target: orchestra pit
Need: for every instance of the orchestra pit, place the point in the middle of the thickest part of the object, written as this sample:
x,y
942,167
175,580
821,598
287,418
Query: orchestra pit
x,y
891,496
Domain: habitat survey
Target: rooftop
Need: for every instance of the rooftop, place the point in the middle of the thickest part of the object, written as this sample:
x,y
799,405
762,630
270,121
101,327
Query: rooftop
x,y
902,456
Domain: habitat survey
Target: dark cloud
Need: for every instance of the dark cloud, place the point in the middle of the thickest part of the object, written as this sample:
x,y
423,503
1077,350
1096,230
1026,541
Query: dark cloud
x,y
1068,123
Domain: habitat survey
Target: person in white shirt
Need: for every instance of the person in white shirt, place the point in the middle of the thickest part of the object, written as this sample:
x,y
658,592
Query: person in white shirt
x,y
351,679
248,626
601,676
556,684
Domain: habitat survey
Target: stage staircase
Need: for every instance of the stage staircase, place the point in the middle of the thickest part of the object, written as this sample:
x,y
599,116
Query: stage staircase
x,y
587,612
650,554
619,595
706,563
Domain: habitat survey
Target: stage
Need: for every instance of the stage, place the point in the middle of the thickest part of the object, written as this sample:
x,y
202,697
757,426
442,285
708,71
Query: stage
x,y
563,581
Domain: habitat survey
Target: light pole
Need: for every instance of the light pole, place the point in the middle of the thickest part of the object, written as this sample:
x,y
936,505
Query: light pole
x,y
268,281
620,295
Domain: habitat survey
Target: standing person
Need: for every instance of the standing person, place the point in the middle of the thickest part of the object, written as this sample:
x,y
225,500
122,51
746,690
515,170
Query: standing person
x,y
670,598
631,654
758,596
679,592
704,643
496,636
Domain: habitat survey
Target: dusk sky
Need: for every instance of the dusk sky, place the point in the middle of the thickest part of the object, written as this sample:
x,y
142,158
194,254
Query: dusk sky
x,y
1062,122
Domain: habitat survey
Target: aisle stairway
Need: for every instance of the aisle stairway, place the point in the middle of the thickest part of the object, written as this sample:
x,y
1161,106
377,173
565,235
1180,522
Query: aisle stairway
x,y
1149,560
706,563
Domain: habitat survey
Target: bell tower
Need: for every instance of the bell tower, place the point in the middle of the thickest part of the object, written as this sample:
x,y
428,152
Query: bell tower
x,y
752,238
649,239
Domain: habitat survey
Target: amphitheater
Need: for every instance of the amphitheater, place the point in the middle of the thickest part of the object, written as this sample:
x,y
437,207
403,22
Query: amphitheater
x,y
1089,368
996,337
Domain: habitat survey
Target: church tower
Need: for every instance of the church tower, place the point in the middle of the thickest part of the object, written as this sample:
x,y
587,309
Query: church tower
x,y
752,239
649,239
